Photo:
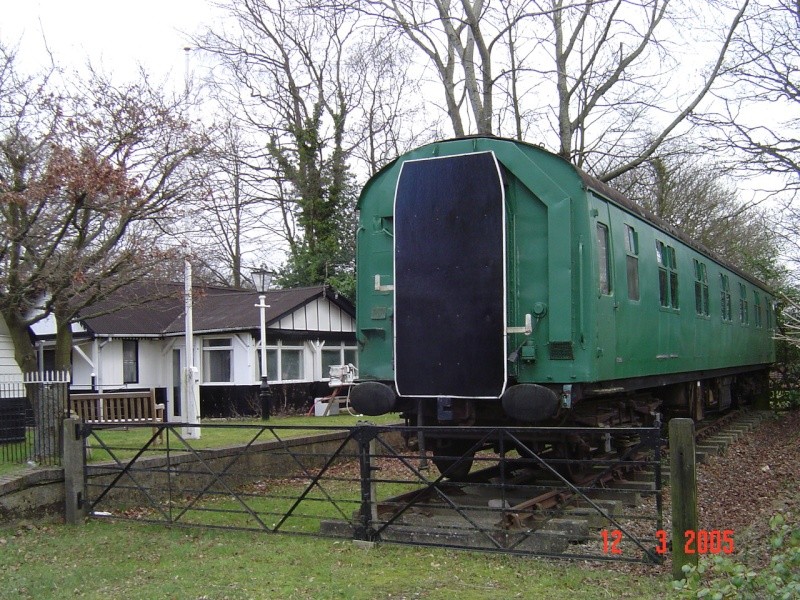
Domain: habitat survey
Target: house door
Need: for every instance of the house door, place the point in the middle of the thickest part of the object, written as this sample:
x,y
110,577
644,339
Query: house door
x,y
177,384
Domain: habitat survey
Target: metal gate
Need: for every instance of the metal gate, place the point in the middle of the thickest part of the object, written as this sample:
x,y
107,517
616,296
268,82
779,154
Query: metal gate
x,y
368,483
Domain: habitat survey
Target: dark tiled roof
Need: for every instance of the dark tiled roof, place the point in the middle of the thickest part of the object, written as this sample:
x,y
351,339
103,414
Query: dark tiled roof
x,y
148,310
137,309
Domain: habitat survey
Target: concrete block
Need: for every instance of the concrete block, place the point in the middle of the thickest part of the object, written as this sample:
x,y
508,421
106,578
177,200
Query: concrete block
x,y
576,529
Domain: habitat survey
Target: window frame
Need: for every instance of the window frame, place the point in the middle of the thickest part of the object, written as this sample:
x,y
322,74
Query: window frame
x,y
632,263
342,349
209,351
770,311
702,304
744,308
275,362
127,344
757,314
604,277
668,288
725,298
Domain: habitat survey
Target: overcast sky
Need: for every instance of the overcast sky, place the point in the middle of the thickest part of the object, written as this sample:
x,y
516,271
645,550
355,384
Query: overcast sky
x,y
115,35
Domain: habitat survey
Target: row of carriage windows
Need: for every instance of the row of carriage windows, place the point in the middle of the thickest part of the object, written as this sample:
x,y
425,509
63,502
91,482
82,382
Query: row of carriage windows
x,y
668,281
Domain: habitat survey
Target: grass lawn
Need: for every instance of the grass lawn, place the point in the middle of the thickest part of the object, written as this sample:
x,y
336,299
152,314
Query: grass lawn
x,y
107,560
112,559
214,433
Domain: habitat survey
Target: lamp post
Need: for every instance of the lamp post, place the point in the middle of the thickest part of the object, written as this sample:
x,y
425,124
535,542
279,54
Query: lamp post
x,y
262,278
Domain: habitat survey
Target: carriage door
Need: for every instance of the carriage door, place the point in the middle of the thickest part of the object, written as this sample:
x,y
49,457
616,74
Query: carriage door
x,y
449,288
606,342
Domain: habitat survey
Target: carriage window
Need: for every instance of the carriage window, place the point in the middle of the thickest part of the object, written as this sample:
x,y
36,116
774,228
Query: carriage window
x,y
632,265
603,259
667,275
757,309
744,308
725,297
769,313
701,289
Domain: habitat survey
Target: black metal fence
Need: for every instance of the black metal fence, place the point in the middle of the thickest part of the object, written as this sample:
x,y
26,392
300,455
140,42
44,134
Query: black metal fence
x,y
32,409
371,483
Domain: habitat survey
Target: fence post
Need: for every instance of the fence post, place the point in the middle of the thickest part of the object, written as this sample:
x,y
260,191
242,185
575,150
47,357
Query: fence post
x,y
364,532
683,491
74,510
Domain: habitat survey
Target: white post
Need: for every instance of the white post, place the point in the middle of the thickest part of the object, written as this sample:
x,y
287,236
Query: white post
x,y
191,387
264,392
263,306
262,279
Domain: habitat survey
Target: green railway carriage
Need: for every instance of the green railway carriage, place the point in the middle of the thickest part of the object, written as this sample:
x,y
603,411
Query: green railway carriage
x,y
497,283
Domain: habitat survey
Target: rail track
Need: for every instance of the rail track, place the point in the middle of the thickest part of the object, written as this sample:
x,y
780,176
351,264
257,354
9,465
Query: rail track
x,y
526,505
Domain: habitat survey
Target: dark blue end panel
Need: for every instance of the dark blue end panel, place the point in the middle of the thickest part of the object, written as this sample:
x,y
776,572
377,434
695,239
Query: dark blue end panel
x,y
449,228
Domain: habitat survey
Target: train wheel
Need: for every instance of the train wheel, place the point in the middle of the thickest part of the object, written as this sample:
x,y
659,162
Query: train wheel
x,y
577,454
453,458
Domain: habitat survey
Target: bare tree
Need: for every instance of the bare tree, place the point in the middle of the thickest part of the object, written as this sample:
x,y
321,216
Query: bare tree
x,y
295,89
700,198
384,123
89,177
756,128
460,40
603,65
227,213
760,116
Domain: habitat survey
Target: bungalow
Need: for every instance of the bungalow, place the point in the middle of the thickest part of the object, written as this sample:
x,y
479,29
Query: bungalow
x,y
136,340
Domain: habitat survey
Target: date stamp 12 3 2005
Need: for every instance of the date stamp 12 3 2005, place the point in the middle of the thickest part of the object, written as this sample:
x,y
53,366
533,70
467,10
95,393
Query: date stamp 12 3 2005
x,y
702,541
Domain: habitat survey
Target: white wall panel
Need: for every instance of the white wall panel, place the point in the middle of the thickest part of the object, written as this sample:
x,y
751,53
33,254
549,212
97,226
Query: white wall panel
x,y
8,364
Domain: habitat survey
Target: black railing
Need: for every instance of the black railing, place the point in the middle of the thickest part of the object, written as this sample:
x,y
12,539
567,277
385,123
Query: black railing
x,y
32,409
524,493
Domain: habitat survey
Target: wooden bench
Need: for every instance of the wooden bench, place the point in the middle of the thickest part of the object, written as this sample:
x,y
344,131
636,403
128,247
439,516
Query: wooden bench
x,y
118,408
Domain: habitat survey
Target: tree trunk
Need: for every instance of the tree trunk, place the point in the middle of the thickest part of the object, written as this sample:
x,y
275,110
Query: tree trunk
x,y
63,358
49,404
24,351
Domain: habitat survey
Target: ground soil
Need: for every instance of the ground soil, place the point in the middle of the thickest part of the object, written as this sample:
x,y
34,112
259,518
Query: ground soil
x,y
757,476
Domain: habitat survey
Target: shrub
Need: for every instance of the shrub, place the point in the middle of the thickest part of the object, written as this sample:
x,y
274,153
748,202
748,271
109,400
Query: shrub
x,y
721,577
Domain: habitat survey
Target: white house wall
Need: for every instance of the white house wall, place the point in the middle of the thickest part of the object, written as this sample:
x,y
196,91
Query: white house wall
x,y
319,315
81,369
103,356
152,365
243,359
8,364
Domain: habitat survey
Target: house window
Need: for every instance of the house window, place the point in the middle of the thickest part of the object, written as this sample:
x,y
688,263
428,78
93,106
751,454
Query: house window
x,y
291,364
725,297
217,354
757,308
336,356
667,275
130,361
632,261
284,363
744,307
49,359
603,259
701,304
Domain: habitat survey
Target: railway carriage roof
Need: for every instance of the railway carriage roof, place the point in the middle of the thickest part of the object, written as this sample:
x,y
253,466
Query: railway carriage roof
x,y
629,205
592,183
